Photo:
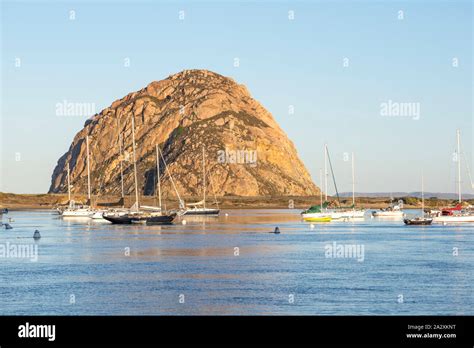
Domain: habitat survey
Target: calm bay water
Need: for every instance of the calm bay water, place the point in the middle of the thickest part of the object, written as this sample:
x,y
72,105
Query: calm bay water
x,y
233,265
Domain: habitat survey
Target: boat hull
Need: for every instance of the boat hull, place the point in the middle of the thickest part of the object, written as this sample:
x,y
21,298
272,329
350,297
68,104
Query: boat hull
x,y
127,219
390,214
99,215
77,213
118,219
346,214
202,212
337,214
418,221
454,219
160,220
318,219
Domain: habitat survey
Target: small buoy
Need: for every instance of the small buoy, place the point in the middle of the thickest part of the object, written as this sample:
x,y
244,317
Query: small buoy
x,y
312,226
8,227
183,222
444,223
37,235
226,214
277,230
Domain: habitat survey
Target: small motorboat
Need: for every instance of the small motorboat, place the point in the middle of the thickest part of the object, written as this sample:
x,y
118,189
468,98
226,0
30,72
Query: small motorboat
x,y
392,211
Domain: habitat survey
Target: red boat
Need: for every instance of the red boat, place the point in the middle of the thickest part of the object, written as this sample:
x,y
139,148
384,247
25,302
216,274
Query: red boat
x,y
450,211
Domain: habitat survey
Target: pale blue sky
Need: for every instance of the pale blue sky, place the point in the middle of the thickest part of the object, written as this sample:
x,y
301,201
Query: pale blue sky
x,y
282,62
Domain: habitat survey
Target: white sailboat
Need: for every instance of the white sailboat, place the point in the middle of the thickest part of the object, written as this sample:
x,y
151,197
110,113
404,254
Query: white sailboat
x,y
199,208
457,214
342,213
82,210
354,213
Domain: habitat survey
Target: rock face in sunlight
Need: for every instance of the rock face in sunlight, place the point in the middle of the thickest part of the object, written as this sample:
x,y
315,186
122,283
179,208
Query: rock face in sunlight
x,y
246,152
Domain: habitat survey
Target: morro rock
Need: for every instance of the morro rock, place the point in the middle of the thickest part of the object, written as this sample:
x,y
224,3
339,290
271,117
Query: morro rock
x,y
246,152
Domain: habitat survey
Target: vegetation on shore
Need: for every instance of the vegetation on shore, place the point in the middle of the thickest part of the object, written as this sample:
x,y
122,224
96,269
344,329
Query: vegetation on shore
x,y
48,201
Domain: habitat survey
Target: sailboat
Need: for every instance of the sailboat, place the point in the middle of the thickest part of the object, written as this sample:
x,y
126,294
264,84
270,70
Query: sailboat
x,y
456,214
421,220
157,216
354,213
79,210
199,208
135,214
339,213
316,213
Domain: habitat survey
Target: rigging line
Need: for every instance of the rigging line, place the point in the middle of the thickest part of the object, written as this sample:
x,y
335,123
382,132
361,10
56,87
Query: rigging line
x,y
181,204
333,178
213,191
468,170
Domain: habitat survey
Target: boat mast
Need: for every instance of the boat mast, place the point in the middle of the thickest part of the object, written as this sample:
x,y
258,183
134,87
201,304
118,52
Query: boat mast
x,y
321,191
326,171
458,135
333,177
88,171
204,177
121,162
68,183
135,163
120,141
158,175
353,183
422,197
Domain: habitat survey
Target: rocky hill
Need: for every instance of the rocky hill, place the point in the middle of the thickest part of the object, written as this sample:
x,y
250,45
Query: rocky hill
x,y
246,152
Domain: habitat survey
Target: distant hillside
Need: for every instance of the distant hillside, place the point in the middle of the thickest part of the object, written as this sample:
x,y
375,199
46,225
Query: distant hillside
x,y
439,195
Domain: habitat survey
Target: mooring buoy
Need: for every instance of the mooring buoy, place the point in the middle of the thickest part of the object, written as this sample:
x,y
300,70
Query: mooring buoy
x,y
37,235
183,222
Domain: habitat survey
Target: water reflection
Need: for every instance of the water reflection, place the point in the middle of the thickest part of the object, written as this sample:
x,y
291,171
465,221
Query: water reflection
x,y
234,265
